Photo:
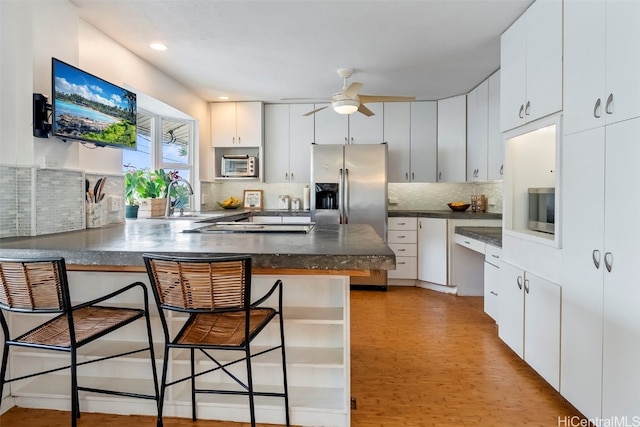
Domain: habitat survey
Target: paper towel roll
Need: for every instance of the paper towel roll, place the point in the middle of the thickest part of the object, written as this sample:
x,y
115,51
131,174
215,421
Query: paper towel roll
x,y
306,195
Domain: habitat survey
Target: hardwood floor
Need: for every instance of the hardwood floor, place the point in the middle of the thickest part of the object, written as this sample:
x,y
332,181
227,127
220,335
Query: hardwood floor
x,y
418,358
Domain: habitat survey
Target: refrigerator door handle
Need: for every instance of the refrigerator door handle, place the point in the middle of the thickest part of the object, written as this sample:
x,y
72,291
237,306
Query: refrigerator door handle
x,y
346,196
341,196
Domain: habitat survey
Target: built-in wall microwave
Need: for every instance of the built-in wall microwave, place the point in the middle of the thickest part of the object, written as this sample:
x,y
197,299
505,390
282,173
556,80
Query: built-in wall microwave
x,y
542,206
238,165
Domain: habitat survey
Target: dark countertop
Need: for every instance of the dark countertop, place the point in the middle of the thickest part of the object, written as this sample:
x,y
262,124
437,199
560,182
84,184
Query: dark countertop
x,y
326,247
448,214
489,235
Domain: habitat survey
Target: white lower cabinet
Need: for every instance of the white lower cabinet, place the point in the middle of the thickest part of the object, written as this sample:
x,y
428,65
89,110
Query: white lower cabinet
x,y
316,313
402,239
432,250
600,315
492,281
530,320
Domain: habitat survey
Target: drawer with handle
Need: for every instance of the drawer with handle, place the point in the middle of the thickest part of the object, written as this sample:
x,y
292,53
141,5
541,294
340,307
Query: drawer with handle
x,y
404,249
402,236
492,255
406,268
467,242
400,223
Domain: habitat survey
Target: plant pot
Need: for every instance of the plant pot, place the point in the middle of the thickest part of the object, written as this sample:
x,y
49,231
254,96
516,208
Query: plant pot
x,y
152,207
131,211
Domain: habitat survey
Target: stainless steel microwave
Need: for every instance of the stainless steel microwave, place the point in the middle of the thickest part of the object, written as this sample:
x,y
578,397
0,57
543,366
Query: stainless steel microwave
x,y
238,165
542,207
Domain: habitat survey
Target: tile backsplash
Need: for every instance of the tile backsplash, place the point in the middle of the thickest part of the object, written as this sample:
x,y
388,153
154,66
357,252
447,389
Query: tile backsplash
x,y
39,201
413,196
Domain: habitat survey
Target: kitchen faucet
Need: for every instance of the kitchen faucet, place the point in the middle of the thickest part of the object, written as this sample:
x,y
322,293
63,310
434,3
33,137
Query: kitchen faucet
x,y
169,209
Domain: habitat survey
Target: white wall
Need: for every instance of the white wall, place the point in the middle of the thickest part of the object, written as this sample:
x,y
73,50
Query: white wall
x,y
33,31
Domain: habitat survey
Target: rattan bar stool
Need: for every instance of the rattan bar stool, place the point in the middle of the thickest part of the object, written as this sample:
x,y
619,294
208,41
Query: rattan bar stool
x,y
216,295
37,286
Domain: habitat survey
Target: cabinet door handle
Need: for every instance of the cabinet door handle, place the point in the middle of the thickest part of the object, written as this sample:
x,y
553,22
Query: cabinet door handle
x,y
501,169
495,256
346,140
291,176
401,250
608,105
239,142
519,282
608,261
406,176
493,293
521,112
527,108
233,140
595,256
402,237
401,263
413,176
352,140
466,242
439,176
402,223
526,285
596,109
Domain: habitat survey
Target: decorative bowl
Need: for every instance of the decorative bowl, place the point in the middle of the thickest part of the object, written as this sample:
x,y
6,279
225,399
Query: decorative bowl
x,y
229,205
458,206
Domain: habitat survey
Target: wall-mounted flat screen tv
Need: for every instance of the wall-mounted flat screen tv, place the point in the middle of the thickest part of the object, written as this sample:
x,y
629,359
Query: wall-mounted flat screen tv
x,y
90,109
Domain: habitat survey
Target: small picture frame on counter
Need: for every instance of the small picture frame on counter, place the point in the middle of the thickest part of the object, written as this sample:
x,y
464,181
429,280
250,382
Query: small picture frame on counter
x,y
252,199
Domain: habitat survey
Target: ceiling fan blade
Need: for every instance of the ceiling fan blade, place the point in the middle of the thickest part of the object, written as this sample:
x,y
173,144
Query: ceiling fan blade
x,y
372,98
352,90
364,110
315,111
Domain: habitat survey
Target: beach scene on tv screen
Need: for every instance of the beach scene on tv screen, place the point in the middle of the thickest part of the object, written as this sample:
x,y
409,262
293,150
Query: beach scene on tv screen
x,y
91,109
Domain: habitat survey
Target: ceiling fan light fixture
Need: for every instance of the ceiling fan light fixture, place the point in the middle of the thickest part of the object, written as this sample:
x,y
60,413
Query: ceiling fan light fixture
x,y
345,106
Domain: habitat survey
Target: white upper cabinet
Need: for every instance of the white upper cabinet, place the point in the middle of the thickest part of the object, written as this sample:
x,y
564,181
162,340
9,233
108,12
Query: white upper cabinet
x,y
601,83
236,124
367,129
397,135
288,138
331,127
477,132
452,139
276,142
301,130
531,65
411,134
495,142
485,145
424,141
355,128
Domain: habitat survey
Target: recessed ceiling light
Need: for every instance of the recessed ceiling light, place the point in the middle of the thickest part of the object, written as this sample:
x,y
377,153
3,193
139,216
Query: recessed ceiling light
x,y
224,98
158,46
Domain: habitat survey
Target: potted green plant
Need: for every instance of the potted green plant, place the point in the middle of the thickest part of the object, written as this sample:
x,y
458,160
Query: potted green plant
x,y
146,190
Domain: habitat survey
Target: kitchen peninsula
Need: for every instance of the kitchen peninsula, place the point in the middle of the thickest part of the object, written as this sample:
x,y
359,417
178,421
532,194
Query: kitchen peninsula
x,y
315,268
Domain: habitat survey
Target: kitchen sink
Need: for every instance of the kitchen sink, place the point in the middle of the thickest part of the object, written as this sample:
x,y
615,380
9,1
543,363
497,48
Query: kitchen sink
x,y
193,216
248,227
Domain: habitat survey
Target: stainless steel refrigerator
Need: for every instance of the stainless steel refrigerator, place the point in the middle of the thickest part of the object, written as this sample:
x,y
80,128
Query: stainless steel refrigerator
x,y
349,186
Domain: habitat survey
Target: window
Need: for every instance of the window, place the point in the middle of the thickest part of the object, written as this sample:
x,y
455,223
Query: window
x,y
164,143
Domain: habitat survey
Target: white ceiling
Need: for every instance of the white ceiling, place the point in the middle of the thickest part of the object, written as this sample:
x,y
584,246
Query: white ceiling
x,y
272,49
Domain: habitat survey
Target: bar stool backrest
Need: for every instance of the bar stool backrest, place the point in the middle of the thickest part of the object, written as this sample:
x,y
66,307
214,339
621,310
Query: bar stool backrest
x,y
28,286
201,284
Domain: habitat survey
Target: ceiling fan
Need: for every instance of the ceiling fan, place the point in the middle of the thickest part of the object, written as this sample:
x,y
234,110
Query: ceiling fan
x,y
348,101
